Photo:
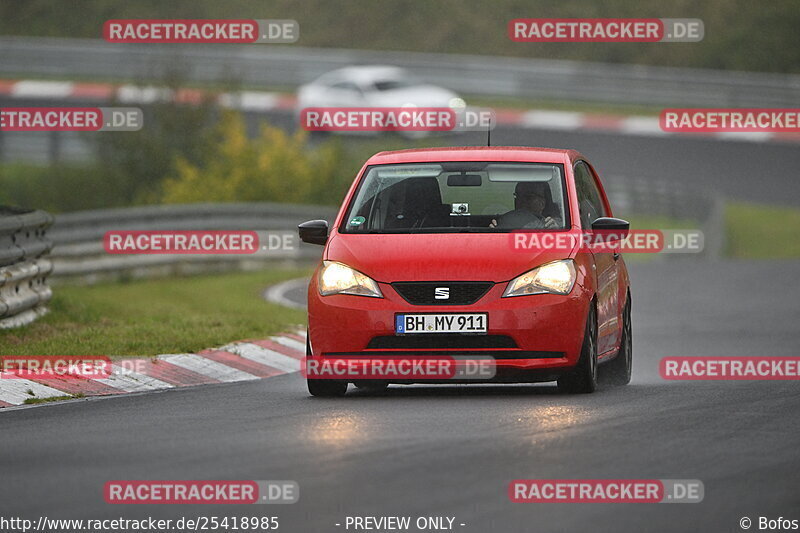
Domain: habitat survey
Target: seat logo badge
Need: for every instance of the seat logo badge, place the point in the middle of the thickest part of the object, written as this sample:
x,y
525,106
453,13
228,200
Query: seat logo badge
x,y
441,293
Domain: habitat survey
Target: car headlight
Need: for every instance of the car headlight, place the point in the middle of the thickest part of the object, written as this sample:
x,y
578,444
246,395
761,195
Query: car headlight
x,y
338,278
557,277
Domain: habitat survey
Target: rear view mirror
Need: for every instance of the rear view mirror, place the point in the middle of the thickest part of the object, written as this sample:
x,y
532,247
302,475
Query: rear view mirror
x,y
611,229
313,231
611,224
464,180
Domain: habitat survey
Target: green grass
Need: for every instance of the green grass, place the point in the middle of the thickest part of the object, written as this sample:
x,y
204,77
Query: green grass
x,y
173,315
34,401
762,232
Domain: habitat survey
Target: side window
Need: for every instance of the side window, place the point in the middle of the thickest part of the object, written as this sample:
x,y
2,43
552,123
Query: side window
x,y
346,86
590,202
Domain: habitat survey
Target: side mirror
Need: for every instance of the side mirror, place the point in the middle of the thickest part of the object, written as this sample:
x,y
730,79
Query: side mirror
x,y
314,231
611,224
611,229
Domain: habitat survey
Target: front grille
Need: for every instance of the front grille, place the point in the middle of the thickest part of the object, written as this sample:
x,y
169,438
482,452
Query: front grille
x,y
458,292
446,344
433,341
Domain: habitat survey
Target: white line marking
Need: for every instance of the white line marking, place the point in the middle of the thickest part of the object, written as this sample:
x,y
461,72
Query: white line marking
x,y
753,136
129,381
277,293
249,100
263,356
642,126
207,367
15,391
557,120
42,89
132,94
290,343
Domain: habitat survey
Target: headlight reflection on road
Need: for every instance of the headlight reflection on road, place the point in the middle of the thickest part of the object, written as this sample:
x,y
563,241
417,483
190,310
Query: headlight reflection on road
x,y
547,422
337,430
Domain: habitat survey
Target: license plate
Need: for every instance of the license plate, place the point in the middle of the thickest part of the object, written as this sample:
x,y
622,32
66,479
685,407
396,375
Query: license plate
x,y
447,323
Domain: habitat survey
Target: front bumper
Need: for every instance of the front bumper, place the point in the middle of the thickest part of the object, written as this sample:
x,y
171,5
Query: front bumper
x,y
531,338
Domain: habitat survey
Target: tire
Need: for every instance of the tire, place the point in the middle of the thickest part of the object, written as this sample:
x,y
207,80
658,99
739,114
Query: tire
x,y
324,388
372,385
618,371
583,378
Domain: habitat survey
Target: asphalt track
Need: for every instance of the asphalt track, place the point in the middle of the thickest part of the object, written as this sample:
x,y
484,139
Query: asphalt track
x,y
451,451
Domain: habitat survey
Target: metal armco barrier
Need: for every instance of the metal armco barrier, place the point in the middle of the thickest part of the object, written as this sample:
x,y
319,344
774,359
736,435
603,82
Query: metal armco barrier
x,y
24,268
681,202
79,254
288,66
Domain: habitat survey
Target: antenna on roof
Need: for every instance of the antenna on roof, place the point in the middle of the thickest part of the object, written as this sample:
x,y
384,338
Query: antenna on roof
x,y
489,136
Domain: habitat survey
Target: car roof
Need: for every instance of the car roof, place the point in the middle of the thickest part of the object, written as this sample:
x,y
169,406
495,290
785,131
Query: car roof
x,y
476,153
365,73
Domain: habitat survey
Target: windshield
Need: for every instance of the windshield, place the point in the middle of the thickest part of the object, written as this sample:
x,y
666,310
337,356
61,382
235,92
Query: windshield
x,y
458,196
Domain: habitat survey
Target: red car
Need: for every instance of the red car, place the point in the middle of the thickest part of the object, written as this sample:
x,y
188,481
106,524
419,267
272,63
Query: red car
x,y
422,261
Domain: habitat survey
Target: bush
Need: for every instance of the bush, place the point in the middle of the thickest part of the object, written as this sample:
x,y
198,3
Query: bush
x,y
57,188
274,166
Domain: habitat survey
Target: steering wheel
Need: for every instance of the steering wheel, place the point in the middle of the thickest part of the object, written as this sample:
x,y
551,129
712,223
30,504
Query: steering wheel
x,y
520,219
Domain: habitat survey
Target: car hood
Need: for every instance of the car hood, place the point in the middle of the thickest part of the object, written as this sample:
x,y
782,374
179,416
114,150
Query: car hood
x,y
436,257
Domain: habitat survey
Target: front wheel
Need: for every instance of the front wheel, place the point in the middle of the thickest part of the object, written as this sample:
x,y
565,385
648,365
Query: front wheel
x,y
618,370
323,388
326,388
583,378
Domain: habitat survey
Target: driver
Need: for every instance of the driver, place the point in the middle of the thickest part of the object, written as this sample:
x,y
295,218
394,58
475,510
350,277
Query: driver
x,y
530,204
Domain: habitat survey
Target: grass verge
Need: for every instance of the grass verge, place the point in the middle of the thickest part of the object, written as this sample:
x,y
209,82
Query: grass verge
x,y
34,401
174,315
762,232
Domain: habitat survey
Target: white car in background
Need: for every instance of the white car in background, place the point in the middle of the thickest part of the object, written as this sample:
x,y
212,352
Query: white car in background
x,y
374,86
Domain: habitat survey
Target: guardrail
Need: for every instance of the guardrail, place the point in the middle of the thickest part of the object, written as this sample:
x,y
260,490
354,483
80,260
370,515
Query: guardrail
x,y
678,201
290,66
79,252
24,268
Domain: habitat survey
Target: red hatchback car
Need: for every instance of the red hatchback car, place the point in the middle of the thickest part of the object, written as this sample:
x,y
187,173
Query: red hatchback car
x,y
421,262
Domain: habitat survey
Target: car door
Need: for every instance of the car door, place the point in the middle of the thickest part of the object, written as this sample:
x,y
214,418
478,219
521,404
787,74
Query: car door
x,y
344,94
592,207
